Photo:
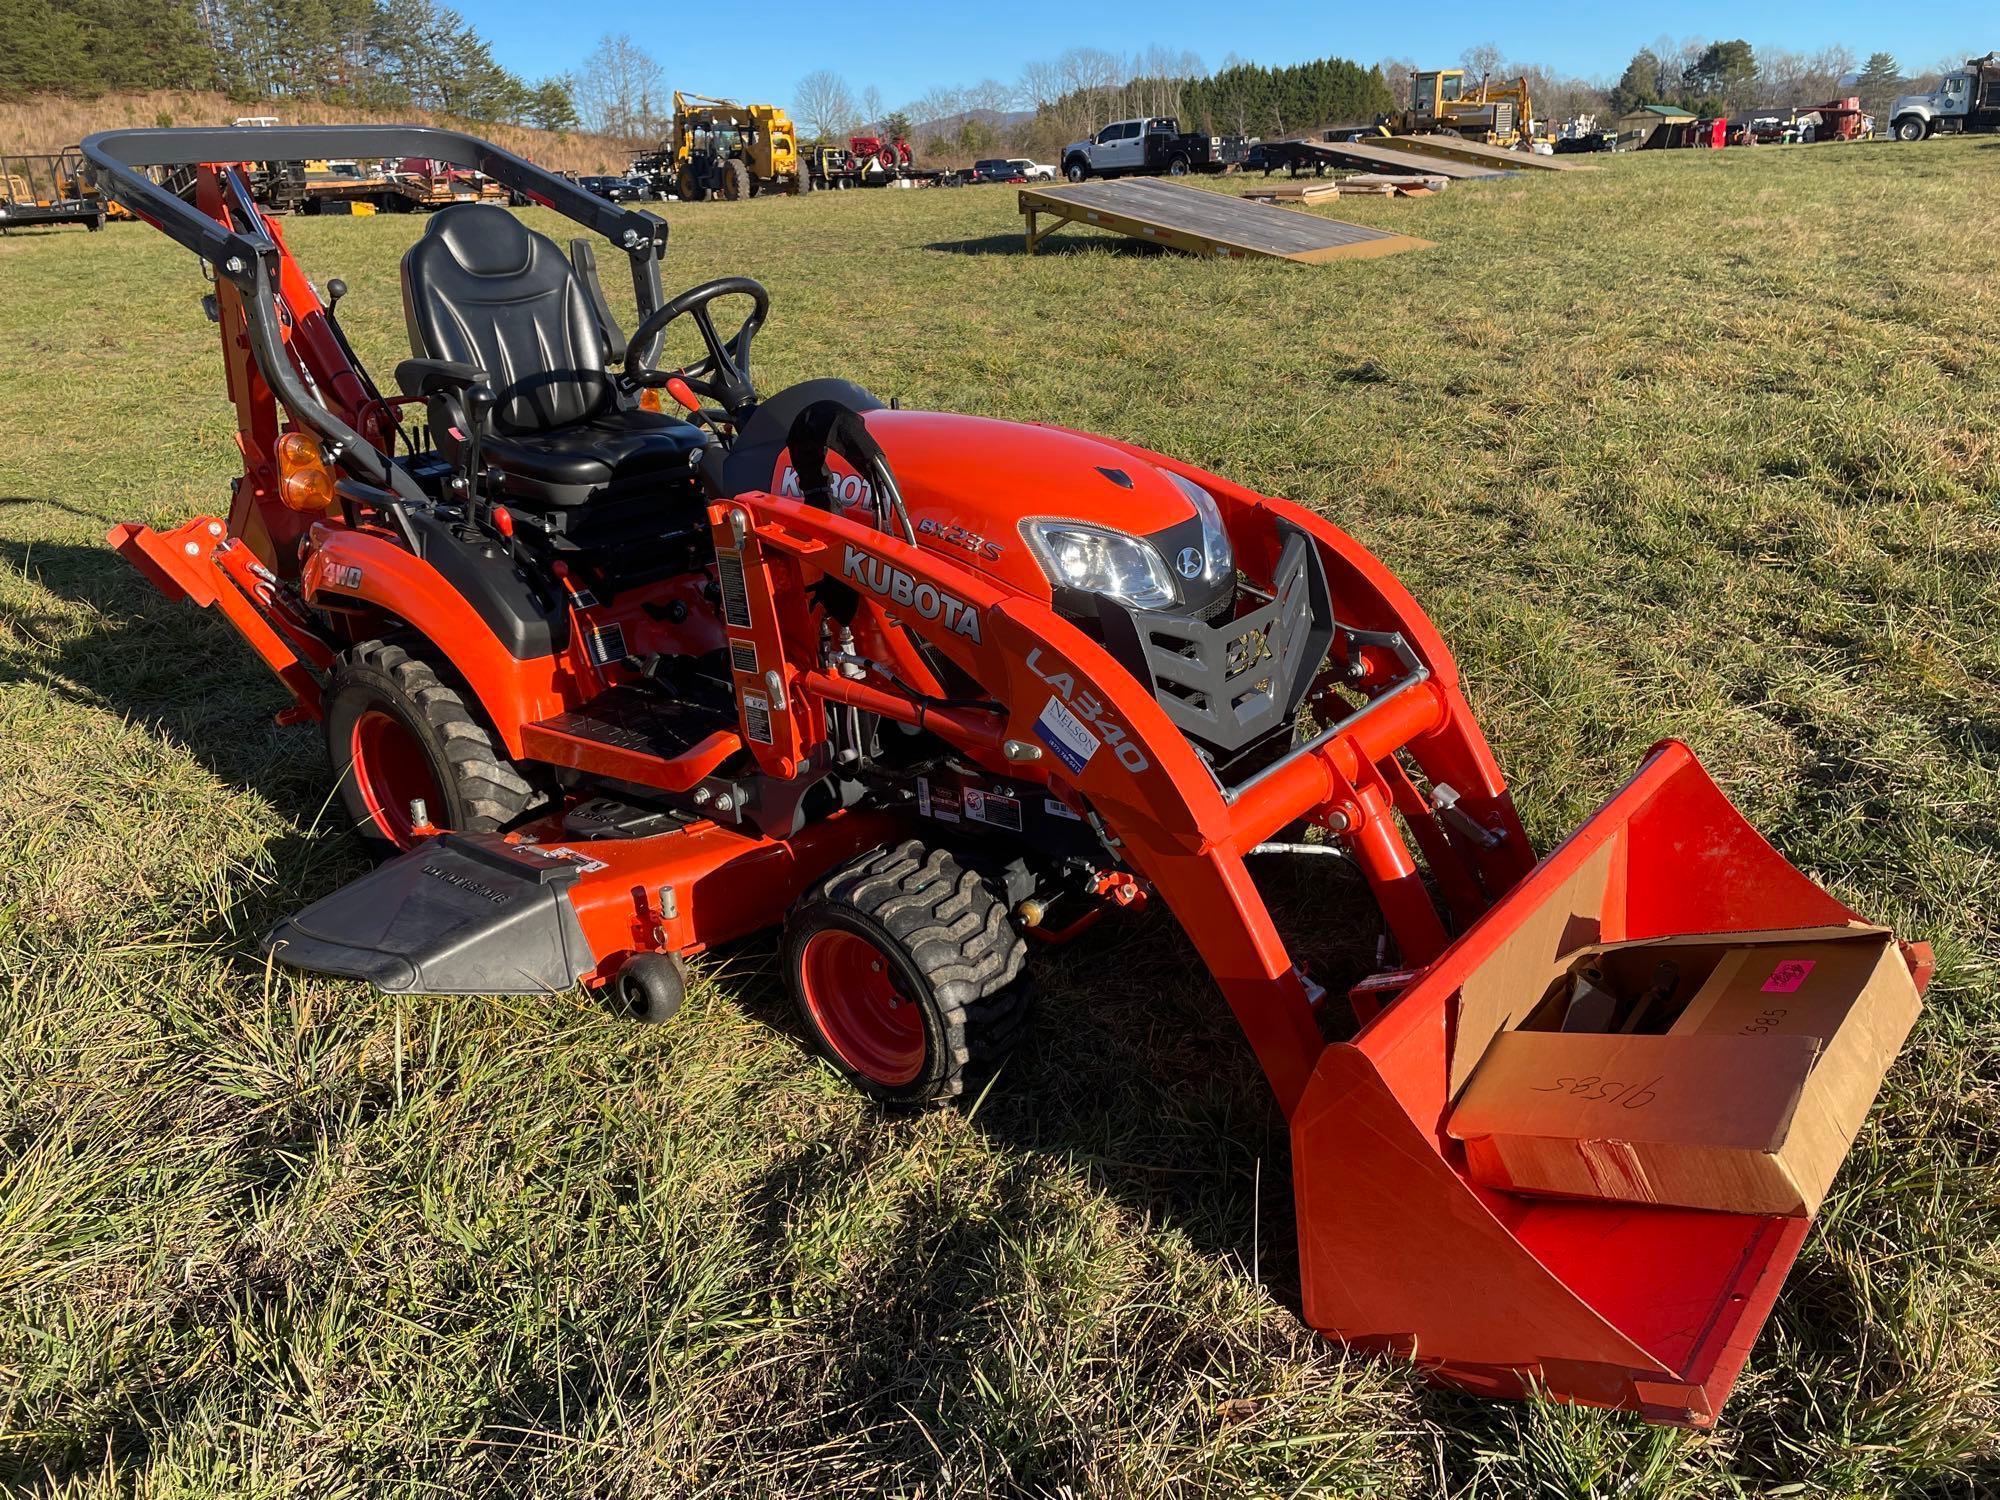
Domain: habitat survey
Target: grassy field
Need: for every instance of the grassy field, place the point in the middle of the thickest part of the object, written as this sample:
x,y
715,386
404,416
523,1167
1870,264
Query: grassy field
x,y
1704,445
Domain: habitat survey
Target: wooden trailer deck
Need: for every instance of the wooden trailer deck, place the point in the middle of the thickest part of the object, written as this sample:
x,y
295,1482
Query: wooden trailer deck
x,y
1204,223
1478,154
1386,158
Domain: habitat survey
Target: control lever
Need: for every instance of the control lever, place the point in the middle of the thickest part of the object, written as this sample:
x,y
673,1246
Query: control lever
x,y
479,403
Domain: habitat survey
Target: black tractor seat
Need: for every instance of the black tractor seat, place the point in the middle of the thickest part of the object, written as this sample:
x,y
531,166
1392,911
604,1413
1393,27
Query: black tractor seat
x,y
489,301
572,465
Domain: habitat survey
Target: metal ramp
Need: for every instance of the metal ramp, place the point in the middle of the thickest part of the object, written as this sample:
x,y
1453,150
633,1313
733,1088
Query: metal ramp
x,y
1217,225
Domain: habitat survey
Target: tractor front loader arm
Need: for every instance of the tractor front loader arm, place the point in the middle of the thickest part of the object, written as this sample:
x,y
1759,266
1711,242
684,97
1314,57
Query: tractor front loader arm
x,y
1635,1305
1068,715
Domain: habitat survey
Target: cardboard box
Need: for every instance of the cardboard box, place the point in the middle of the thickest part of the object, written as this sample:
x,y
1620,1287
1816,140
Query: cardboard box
x,y
1749,1103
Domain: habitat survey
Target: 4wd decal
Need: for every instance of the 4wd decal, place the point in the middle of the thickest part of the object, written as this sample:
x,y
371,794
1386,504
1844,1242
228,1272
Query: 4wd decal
x,y
334,574
899,588
1081,707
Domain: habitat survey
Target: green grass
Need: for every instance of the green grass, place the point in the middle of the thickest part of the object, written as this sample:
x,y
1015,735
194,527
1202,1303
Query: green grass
x,y
1704,445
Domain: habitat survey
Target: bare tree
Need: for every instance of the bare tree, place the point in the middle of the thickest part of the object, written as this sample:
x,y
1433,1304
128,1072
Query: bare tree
x,y
991,94
1826,71
621,91
826,104
1041,85
1483,61
1396,73
871,106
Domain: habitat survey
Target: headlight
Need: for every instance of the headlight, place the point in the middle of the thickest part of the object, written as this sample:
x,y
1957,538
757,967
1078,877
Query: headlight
x,y
1218,563
1095,561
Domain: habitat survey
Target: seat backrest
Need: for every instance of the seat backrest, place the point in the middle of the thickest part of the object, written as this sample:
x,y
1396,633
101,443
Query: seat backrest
x,y
483,288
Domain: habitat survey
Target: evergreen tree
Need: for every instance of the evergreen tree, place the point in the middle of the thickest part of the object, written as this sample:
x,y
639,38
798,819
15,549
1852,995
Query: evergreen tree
x,y
1880,81
1636,86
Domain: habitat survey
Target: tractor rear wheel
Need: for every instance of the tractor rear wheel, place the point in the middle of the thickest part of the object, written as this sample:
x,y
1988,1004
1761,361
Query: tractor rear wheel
x,y
735,181
396,733
909,974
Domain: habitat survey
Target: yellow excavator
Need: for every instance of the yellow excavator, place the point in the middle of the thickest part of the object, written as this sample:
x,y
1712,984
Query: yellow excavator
x,y
721,149
1441,101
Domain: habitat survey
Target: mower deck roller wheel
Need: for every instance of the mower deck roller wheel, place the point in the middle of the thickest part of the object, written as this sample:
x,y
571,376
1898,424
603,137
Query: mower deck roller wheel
x,y
909,974
396,731
651,986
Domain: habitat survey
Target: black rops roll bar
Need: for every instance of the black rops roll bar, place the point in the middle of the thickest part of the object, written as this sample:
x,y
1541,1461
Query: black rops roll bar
x,y
248,257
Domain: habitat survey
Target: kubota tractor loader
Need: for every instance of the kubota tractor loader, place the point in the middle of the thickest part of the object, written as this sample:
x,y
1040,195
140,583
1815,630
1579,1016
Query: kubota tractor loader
x,y
619,661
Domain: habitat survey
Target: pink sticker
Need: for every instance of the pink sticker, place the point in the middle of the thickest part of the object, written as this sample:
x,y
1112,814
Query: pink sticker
x,y
1788,976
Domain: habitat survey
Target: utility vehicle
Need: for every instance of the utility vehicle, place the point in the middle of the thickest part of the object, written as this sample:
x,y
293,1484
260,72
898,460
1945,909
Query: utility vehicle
x,y
619,661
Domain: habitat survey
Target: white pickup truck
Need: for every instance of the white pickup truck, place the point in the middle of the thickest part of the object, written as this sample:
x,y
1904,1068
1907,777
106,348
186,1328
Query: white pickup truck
x,y
1156,146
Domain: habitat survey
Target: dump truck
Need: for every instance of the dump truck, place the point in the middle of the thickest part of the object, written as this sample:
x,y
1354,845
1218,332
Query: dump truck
x,y
722,149
1963,103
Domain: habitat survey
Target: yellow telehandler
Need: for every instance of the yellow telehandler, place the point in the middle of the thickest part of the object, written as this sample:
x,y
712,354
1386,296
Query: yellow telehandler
x,y
722,149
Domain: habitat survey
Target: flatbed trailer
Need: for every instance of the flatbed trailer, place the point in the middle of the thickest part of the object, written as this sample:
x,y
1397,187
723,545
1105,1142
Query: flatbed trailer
x,y
34,190
1319,157
1479,154
392,191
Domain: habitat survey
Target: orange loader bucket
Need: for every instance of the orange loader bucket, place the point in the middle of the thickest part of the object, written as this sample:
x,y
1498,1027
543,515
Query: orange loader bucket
x,y
1631,1305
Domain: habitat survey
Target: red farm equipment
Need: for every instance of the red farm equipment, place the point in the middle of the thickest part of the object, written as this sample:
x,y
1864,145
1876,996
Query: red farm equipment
x,y
619,662
874,154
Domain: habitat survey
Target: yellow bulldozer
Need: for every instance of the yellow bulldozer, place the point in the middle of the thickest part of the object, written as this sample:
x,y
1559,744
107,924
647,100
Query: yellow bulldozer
x,y
1441,102
721,149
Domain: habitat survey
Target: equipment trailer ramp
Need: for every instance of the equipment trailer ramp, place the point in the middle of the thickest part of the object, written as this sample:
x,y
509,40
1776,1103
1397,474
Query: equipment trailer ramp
x,y
1382,158
1204,223
1479,154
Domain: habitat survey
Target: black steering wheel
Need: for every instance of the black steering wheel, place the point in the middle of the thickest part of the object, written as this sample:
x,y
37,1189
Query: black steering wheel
x,y
723,373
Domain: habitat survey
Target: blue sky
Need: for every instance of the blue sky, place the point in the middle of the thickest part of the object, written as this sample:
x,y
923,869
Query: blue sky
x,y
761,52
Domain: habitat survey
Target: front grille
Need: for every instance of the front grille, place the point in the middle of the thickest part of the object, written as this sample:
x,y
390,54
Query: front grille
x,y
1232,682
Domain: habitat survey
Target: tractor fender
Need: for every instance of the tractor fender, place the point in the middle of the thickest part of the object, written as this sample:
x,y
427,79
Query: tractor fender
x,y
347,567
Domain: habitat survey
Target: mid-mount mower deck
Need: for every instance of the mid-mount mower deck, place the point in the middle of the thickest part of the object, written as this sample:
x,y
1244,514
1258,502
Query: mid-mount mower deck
x,y
624,677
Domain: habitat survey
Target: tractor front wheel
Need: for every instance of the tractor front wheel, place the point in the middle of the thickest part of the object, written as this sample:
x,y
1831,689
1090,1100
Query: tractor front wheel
x,y
735,181
397,734
909,974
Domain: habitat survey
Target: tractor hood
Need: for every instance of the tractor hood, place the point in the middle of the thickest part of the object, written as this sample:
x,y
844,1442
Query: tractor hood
x,y
975,489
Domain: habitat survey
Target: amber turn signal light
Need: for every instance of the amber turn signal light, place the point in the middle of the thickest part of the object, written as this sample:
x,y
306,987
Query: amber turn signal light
x,y
305,483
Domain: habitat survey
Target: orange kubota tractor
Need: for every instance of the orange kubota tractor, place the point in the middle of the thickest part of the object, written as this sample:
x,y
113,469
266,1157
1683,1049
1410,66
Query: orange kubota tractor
x,y
619,661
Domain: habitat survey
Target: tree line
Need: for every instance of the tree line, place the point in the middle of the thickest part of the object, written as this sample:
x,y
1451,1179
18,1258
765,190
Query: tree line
x,y
384,54
1732,78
